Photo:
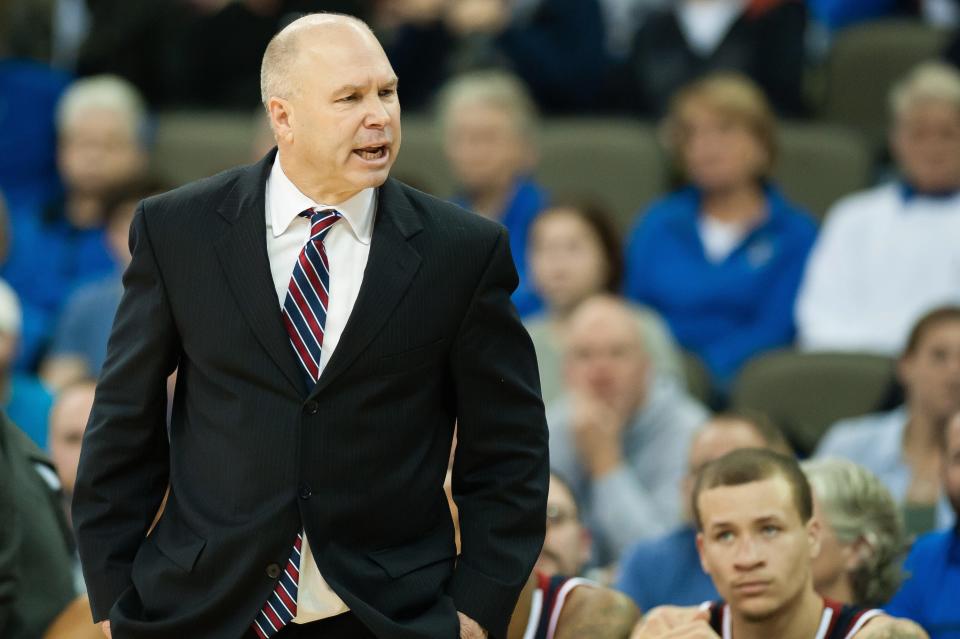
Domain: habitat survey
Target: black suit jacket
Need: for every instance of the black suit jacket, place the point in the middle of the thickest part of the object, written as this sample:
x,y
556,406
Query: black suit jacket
x,y
358,460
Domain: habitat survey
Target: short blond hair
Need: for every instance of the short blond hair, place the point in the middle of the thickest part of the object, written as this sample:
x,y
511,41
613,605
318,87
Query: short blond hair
x,y
494,87
928,82
734,96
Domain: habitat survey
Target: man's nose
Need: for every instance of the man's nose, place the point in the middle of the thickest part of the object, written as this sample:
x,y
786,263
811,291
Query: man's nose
x,y
747,555
378,115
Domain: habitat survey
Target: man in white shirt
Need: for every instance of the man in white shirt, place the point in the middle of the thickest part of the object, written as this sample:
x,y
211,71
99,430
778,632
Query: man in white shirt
x,y
888,255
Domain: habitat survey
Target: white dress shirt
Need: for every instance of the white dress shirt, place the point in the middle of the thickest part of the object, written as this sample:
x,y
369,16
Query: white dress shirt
x,y
882,260
348,247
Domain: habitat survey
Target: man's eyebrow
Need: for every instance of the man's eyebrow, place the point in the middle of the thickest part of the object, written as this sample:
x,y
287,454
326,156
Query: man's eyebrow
x,y
393,81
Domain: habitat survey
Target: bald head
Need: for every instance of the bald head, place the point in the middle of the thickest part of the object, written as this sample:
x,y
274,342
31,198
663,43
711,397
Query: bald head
x,y
282,56
605,355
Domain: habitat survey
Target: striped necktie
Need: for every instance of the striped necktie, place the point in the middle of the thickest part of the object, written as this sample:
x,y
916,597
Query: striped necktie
x,y
305,315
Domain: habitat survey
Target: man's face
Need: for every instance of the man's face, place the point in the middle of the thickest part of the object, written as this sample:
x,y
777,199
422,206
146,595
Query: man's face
x,y
98,150
605,358
755,547
931,373
926,143
713,442
719,152
68,420
342,123
566,546
484,146
951,466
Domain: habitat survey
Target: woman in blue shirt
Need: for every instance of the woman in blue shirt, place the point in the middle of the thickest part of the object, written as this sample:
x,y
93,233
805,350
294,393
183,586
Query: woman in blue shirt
x,y
722,258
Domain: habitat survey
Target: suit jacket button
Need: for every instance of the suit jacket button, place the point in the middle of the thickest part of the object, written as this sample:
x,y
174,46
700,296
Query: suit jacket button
x,y
273,571
311,408
304,491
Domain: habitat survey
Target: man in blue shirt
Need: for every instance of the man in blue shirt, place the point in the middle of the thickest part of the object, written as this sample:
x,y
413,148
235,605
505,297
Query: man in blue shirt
x,y
667,570
931,594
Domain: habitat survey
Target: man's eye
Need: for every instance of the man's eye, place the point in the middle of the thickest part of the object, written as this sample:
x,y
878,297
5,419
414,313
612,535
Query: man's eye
x,y
387,93
770,530
726,535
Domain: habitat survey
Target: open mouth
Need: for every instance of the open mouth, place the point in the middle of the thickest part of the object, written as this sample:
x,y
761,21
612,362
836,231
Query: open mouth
x,y
372,153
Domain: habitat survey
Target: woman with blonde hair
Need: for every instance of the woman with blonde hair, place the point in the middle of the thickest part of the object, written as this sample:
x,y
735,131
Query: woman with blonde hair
x,y
862,543
721,259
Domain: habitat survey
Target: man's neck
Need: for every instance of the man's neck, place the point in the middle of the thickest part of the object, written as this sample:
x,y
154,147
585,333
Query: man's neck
x,y
742,203
799,620
83,211
320,193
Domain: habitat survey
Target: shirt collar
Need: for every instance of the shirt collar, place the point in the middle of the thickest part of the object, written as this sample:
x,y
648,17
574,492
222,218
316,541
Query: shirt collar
x,y
909,192
286,202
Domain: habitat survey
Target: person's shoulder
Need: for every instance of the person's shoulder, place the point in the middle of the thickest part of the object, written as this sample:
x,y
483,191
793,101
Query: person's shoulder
x,y
661,213
603,612
453,224
934,545
883,626
650,552
850,435
193,198
860,208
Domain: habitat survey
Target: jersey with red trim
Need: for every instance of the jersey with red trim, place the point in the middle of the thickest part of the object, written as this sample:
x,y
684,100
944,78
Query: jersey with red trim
x,y
548,599
837,621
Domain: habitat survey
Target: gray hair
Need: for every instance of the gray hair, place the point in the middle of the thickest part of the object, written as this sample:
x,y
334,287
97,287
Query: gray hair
x,y
858,506
106,92
929,81
496,88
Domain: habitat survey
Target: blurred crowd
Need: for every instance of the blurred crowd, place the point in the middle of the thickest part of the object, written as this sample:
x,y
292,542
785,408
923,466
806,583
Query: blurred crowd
x,y
642,338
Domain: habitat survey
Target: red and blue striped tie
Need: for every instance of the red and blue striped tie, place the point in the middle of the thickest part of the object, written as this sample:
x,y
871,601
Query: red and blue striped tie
x,y
305,315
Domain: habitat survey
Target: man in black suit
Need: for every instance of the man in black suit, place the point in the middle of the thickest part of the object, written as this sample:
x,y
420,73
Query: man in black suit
x,y
329,326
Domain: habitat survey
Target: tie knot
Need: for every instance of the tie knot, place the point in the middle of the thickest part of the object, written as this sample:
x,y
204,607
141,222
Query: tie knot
x,y
321,221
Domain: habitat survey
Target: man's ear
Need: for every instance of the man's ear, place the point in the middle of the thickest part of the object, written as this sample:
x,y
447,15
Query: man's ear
x,y
703,561
814,533
280,113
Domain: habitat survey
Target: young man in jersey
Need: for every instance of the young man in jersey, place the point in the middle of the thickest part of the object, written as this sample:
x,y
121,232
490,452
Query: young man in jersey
x,y
756,537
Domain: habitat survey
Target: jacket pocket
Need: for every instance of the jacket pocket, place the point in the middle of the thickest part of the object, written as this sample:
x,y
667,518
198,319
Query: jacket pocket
x,y
432,548
177,542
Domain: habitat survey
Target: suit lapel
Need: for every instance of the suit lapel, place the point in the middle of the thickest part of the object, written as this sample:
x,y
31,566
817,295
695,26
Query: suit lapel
x,y
390,269
242,251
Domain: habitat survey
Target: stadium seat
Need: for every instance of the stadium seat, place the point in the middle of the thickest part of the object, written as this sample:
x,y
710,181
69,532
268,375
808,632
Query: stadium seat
x,y
865,62
617,161
194,144
804,393
820,163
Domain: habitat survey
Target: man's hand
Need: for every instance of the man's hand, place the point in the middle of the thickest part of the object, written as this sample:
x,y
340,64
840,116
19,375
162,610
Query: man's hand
x,y
673,622
597,435
470,629
105,626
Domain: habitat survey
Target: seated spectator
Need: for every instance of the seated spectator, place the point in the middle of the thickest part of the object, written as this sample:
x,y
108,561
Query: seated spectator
x,y
489,128
862,540
23,399
552,604
36,578
566,545
761,39
756,535
79,343
556,47
667,570
102,128
887,255
68,421
929,594
902,446
621,433
721,259
573,253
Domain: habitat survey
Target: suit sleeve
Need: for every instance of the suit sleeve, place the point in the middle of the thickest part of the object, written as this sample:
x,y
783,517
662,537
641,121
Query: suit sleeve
x,y
124,461
501,468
